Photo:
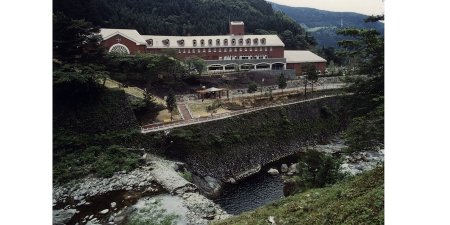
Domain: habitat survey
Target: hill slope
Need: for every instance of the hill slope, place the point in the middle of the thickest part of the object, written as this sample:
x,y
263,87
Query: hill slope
x,y
323,24
356,201
185,17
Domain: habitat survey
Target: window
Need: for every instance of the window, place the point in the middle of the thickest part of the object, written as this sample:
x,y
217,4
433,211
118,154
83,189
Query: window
x,y
220,50
241,41
204,50
265,49
150,42
270,48
119,48
184,50
179,50
233,41
255,41
166,42
256,49
198,50
202,42
194,43
209,50
210,42
218,42
225,42
180,42
250,49
263,41
189,50
245,49
240,49
235,49
260,49
225,50
214,50
248,41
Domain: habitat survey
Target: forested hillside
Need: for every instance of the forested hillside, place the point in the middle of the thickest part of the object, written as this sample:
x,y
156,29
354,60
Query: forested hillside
x,y
187,17
322,25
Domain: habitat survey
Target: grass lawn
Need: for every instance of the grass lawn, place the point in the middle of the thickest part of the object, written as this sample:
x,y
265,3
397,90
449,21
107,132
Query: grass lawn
x,y
198,108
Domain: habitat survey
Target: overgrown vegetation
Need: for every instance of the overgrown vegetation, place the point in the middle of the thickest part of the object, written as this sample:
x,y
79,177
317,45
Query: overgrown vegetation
x,y
153,214
366,105
188,17
356,200
317,170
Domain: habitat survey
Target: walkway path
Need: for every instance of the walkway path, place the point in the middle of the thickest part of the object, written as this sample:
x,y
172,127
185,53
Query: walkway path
x,y
184,111
165,126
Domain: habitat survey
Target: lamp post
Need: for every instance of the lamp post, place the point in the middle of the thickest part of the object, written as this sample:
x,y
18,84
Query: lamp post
x,y
262,83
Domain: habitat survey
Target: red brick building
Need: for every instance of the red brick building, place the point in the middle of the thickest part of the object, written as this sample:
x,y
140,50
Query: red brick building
x,y
231,52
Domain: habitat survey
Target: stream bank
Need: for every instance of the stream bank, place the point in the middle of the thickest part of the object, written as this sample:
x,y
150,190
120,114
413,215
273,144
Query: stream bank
x,y
112,200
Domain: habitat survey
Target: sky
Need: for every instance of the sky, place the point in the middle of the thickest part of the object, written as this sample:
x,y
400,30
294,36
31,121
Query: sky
x,y
367,7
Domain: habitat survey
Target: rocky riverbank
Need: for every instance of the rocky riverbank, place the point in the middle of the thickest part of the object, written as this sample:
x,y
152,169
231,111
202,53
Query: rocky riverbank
x,y
110,200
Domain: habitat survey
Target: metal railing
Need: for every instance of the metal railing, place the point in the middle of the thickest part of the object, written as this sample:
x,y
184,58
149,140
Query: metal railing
x,y
164,126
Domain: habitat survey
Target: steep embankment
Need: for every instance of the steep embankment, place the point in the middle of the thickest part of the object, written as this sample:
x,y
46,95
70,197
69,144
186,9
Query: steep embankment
x,y
359,200
231,149
88,137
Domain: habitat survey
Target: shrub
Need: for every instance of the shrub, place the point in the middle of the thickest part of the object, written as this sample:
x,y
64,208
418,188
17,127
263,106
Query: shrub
x,y
252,88
317,169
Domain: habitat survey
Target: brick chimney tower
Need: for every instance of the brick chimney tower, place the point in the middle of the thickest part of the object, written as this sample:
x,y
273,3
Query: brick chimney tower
x,y
237,28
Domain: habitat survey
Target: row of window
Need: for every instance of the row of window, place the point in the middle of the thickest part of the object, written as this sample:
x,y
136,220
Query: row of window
x,y
244,57
248,41
198,50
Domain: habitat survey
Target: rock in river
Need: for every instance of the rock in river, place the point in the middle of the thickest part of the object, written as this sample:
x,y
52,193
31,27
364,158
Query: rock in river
x,y
284,168
273,171
61,217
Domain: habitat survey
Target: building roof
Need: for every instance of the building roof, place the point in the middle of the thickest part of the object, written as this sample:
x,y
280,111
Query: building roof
x,y
302,56
270,40
212,89
237,22
133,35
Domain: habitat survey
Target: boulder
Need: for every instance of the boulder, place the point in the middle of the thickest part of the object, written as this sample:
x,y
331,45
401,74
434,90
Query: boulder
x,y
293,168
284,168
209,186
62,216
273,171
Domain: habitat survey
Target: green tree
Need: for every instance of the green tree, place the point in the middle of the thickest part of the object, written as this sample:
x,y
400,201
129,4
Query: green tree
x,y
171,103
282,83
214,106
366,104
252,88
311,75
195,65
317,170
75,40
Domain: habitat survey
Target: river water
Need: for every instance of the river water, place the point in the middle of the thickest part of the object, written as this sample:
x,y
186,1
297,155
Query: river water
x,y
253,192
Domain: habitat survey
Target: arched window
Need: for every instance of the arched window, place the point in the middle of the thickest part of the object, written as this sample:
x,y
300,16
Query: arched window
x,y
233,41
119,48
225,42
166,42
218,42
248,41
255,41
194,43
202,42
210,42
150,42
241,41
